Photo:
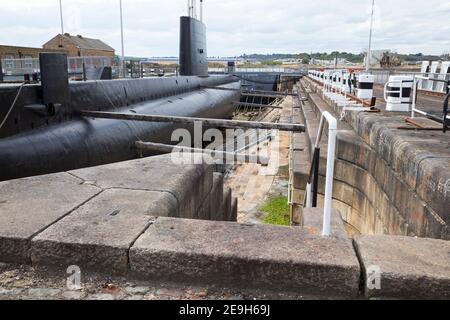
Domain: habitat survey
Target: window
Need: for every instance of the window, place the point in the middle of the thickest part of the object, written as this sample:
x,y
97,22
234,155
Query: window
x,y
28,62
9,61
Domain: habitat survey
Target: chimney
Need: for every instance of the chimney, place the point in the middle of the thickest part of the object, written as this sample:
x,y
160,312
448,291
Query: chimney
x,y
67,34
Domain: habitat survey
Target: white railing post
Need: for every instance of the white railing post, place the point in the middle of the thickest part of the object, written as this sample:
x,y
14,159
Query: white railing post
x,y
328,201
308,196
415,84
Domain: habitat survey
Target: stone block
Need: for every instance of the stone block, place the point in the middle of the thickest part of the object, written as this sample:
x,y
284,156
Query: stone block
x,y
190,184
280,258
99,234
30,205
411,268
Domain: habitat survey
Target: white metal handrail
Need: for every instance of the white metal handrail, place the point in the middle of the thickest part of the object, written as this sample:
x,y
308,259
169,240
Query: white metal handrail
x,y
329,180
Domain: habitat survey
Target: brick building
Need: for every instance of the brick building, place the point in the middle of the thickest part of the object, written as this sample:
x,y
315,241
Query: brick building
x,y
77,46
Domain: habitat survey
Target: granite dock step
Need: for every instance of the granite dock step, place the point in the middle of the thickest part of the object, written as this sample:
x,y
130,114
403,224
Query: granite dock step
x,y
280,258
91,217
411,268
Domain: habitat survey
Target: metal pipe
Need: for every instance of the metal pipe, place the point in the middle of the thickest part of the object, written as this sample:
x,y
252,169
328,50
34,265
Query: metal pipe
x,y
255,92
215,123
122,40
328,201
61,16
201,10
369,52
316,164
216,154
308,196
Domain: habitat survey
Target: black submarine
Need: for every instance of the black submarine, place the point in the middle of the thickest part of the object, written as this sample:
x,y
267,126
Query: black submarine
x,y
41,131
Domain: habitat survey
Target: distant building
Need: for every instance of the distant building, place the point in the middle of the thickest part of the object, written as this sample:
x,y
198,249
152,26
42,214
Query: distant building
x,y
77,46
10,53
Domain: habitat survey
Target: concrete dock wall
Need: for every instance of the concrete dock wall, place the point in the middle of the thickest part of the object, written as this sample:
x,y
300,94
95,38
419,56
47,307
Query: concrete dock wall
x,y
388,181
82,213
150,219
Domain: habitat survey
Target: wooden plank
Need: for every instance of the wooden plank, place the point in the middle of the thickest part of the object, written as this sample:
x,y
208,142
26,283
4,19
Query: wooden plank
x,y
215,154
211,123
413,128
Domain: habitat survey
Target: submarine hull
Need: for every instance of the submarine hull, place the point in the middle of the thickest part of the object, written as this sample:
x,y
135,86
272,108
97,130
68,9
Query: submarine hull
x,y
85,142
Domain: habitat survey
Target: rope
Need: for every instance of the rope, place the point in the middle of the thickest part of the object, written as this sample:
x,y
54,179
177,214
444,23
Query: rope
x,y
13,104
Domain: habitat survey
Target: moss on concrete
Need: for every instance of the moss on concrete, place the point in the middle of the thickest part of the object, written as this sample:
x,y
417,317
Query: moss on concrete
x,y
277,210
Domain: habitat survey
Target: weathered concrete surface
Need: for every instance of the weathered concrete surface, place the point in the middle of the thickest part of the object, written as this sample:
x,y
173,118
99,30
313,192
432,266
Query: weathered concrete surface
x,y
217,198
91,217
226,205
411,268
42,283
250,255
313,222
99,234
156,174
28,206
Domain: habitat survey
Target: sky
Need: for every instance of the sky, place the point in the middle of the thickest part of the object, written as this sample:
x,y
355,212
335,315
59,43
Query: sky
x,y
236,27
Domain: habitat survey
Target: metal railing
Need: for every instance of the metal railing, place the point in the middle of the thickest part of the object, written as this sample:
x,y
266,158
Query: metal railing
x,y
414,109
257,70
76,65
312,189
429,81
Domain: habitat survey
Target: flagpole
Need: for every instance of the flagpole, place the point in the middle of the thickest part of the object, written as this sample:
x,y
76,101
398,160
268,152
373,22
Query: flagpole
x,y
122,41
61,16
369,52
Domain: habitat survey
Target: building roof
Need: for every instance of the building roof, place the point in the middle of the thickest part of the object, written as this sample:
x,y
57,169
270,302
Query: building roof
x,y
88,43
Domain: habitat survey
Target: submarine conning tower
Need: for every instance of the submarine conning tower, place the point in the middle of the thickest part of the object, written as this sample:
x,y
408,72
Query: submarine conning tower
x,y
193,53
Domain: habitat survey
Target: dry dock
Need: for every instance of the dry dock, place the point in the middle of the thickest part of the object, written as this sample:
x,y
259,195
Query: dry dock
x,y
152,220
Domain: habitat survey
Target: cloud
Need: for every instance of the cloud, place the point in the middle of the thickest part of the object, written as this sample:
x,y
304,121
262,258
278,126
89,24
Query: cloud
x,y
237,26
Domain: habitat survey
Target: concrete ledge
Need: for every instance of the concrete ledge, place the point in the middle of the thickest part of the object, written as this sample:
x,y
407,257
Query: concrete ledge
x,y
313,221
28,206
411,268
189,184
247,255
91,217
98,235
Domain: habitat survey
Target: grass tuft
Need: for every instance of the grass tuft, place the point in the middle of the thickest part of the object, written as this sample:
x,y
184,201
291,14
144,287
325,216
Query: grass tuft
x,y
277,210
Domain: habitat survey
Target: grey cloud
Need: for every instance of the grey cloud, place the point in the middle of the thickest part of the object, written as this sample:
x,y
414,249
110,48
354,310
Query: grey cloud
x,y
236,27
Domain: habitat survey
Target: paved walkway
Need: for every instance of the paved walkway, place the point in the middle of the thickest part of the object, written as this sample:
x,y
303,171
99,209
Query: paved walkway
x,y
29,283
251,183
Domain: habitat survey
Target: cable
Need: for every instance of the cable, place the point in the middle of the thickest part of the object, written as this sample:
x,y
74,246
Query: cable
x,y
13,104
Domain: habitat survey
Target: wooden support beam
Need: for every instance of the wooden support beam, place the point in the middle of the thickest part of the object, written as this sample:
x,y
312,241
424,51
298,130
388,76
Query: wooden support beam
x,y
214,154
263,95
211,123
256,105
253,92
